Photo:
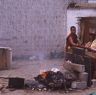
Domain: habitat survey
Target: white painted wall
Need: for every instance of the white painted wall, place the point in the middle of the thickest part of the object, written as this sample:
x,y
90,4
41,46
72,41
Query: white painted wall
x,y
33,27
73,14
91,1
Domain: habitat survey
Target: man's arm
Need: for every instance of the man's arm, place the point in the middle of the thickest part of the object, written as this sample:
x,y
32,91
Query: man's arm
x,y
91,50
93,46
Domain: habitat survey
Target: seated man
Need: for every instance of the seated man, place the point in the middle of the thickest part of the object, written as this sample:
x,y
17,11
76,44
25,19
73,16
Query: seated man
x,y
72,39
91,52
91,46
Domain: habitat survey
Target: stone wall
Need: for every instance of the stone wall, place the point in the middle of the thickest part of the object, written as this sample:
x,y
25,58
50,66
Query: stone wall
x,y
32,27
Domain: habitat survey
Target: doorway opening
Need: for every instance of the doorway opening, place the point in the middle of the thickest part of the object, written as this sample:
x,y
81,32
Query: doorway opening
x,y
87,26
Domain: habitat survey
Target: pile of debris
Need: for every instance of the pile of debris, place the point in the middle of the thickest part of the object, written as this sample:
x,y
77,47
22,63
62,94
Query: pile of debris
x,y
53,79
73,76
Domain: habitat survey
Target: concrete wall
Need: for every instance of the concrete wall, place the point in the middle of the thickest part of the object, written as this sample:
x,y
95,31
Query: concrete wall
x,y
32,27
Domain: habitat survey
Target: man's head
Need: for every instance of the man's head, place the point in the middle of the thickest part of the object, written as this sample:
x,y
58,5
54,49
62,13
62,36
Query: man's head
x,y
92,36
73,29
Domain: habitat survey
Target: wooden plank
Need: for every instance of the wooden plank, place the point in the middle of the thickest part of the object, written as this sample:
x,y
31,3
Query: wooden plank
x,y
5,58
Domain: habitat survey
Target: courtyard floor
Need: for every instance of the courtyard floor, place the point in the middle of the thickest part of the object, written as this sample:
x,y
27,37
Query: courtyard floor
x,y
30,68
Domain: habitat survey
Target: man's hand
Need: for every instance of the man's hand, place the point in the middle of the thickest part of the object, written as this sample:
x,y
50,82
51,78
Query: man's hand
x,y
91,50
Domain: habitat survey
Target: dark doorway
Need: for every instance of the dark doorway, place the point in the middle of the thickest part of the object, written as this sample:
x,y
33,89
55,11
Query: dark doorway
x,y
87,25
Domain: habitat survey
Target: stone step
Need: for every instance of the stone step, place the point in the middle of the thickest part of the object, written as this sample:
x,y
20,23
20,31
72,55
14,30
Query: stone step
x,y
79,85
74,67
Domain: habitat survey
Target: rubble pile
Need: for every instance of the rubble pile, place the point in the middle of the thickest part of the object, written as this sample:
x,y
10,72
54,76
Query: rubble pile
x,y
82,76
74,77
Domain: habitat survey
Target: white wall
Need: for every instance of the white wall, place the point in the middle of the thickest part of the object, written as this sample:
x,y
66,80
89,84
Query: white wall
x,y
91,1
32,27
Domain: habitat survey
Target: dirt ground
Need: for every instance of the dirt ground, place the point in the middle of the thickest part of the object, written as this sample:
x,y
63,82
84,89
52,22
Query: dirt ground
x,y
30,68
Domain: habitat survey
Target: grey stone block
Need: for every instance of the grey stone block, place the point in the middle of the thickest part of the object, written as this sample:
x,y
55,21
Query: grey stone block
x,y
93,82
75,67
79,85
83,76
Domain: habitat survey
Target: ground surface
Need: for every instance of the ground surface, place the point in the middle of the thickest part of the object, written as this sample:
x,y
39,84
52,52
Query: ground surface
x,y
28,69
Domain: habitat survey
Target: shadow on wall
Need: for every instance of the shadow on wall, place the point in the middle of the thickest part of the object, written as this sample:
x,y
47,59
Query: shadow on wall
x,y
56,54
40,56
